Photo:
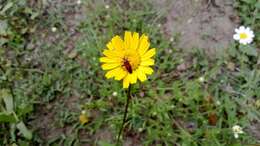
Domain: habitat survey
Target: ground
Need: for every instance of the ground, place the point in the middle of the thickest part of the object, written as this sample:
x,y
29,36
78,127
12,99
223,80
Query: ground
x,y
202,24
57,73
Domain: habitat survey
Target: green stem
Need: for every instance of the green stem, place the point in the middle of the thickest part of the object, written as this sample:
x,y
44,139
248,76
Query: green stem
x,y
2,69
125,113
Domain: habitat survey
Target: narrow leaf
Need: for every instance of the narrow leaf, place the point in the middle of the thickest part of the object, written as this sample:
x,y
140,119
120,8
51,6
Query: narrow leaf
x,y
6,7
8,99
7,117
23,129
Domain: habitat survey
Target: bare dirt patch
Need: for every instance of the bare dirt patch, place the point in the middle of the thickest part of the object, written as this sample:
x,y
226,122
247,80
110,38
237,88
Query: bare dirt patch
x,y
206,24
46,123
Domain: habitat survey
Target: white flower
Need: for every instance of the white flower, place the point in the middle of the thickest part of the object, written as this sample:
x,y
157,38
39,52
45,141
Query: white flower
x,y
218,102
78,2
114,94
244,35
140,129
53,29
237,130
107,6
83,112
201,79
171,39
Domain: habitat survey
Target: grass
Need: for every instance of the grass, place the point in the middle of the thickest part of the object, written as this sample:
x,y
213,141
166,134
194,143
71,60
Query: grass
x,y
47,78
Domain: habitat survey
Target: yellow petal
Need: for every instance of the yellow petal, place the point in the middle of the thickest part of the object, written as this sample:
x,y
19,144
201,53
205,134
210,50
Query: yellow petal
x,y
141,75
120,74
109,60
110,46
135,41
112,73
144,44
118,43
148,54
111,54
108,66
126,81
146,70
147,62
83,119
127,39
133,77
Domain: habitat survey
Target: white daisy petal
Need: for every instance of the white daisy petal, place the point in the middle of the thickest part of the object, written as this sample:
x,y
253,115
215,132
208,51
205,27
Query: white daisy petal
x,y
250,40
236,135
242,28
247,29
237,30
244,42
251,34
236,36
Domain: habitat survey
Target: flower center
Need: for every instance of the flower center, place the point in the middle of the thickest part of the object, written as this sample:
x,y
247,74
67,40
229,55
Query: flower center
x,y
243,35
131,61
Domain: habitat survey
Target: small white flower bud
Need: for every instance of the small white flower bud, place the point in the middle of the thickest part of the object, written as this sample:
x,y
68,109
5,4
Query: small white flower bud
x,y
114,94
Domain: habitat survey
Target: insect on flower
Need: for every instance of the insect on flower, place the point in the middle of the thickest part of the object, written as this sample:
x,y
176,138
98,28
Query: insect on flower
x,y
129,59
127,66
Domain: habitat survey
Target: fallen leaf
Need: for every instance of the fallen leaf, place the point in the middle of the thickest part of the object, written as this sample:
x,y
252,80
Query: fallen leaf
x,y
231,66
212,119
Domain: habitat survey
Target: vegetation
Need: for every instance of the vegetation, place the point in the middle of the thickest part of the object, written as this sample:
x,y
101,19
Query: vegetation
x,y
49,73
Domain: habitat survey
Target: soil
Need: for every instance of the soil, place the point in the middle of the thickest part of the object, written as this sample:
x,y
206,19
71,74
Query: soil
x,y
45,120
206,24
254,129
197,23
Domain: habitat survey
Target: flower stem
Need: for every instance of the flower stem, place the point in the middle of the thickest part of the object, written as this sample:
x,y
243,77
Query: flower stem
x,y
125,113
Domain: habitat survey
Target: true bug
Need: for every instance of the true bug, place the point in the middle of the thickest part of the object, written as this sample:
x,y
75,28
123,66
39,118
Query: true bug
x,y
127,65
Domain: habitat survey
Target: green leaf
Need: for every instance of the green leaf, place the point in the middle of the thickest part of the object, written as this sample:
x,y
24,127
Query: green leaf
x,y
248,50
103,143
23,143
34,15
6,7
249,1
232,50
3,27
24,109
8,99
257,5
7,117
23,129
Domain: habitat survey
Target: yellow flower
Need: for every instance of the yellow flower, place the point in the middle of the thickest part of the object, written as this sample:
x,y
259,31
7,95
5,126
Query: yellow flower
x,y
128,59
83,118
